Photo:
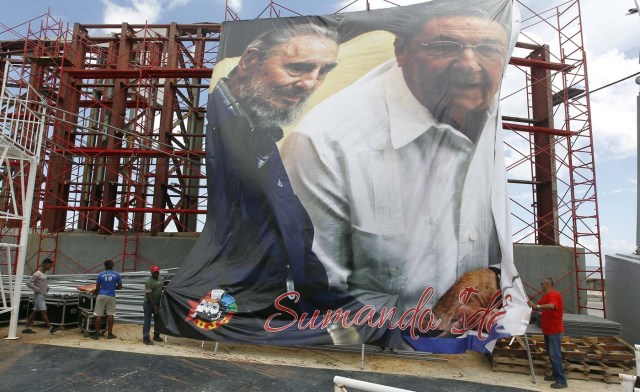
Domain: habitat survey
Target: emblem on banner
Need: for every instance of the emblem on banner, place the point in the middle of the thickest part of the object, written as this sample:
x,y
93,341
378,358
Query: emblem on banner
x,y
213,311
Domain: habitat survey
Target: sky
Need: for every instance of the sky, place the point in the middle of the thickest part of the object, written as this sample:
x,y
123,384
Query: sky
x,y
610,40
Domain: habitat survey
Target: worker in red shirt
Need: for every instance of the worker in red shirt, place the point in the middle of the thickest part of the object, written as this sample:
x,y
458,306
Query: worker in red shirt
x,y
550,308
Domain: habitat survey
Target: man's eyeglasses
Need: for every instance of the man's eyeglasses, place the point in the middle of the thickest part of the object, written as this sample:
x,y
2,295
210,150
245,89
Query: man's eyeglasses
x,y
491,52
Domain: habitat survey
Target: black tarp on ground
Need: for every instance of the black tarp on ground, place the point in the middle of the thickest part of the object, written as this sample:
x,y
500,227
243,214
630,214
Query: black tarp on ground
x,y
27,367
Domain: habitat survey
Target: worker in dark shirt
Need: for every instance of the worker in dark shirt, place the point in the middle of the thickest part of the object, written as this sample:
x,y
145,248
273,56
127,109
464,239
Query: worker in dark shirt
x,y
153,287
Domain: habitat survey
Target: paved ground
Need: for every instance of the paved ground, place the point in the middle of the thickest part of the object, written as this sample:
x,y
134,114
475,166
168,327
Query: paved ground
x,y
28,367
68,361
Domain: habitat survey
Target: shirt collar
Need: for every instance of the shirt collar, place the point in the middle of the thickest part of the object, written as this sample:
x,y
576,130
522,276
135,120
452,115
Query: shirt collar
x,y
408,118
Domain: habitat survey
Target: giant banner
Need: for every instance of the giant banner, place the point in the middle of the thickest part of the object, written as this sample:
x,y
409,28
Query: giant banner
x,y
356,184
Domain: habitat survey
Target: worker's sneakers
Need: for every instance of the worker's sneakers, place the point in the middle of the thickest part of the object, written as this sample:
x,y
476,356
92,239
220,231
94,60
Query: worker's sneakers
x,y
28,330
147,341
549,378
111,336
556,385
95,336
54,329
158,339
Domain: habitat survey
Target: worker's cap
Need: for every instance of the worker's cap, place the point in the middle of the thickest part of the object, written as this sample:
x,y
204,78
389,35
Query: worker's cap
x,y
155,268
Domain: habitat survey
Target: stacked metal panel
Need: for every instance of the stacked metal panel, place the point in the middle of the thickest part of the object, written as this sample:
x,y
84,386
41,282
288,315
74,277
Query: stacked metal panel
x,y
129,298
584,325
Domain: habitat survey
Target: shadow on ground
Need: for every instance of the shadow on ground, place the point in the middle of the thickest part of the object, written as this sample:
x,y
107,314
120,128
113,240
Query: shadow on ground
x,y
27,367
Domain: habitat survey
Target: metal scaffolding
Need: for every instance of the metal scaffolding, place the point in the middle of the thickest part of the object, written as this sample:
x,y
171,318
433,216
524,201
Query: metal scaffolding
x,y
22,124
558,146
124,144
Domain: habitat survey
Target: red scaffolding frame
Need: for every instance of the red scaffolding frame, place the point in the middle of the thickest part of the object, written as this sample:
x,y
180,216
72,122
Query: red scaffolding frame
x,y
559,157
125,145
125,141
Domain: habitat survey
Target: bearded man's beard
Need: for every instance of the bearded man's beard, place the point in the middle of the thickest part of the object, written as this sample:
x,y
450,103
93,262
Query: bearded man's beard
x,y
254,99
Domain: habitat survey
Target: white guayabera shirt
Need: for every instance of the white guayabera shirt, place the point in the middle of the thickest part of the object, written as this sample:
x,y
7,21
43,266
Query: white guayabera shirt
x,y
399,202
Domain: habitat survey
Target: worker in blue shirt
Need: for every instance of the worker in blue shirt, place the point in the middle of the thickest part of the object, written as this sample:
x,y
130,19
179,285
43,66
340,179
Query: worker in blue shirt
x,y
107,283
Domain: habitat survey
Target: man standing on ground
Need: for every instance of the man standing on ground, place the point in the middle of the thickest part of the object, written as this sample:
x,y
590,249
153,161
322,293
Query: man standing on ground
x,y
38,283
107,283
152,293
550,307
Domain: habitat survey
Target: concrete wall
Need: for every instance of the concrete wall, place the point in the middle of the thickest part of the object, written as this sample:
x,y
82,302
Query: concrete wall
x,y
536,262
78,252
622,295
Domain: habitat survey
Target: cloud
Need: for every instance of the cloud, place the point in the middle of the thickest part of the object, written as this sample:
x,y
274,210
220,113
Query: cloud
x,y
138,11
624,190
236,5
374,4
622,31
610,57
171,4
611,246
604,24
613,109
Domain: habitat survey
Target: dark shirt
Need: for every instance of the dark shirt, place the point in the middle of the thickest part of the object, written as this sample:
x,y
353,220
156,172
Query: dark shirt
x,y
153,289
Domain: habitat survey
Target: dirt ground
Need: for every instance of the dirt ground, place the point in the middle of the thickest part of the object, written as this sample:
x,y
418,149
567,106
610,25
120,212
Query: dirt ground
x,y
474,367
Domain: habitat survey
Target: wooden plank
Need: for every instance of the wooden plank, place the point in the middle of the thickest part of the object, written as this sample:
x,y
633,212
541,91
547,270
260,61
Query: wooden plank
x,y
586,358
572,375
624,343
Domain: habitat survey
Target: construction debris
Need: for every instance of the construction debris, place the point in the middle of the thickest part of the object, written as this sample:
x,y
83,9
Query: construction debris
x,y
585,358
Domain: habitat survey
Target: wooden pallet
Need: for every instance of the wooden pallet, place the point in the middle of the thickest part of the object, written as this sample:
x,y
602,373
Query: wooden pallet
x,y
585,358
541,371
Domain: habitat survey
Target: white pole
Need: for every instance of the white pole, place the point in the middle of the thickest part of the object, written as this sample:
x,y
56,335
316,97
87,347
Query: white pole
x,y
627,382
340,382
4,82
638,166
22,248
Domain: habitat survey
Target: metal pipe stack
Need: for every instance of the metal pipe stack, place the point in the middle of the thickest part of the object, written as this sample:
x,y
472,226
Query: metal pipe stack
x,y
129,298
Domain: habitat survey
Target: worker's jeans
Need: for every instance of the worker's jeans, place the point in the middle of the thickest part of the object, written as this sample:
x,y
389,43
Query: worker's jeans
x,y
146,326
553,343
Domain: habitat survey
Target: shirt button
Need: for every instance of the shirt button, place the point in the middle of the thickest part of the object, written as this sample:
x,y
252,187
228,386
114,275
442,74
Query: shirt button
x,y
473,235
